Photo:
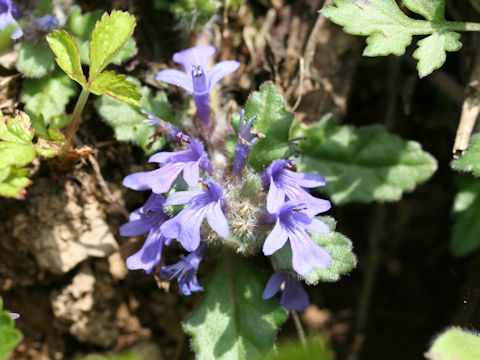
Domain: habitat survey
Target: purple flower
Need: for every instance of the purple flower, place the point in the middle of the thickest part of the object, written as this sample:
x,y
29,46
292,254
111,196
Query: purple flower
x,y
286,183
185,227
14,316
186,271
8,13
196,79
165,127
294,296
148,218
173,163
47,23
246,139
291,224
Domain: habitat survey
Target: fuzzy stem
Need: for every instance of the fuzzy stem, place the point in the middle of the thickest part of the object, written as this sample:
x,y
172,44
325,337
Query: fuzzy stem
x,y
299,327
76,119
462,26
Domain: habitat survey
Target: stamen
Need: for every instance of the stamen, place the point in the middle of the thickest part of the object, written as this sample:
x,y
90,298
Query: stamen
x,y
204,185
147,212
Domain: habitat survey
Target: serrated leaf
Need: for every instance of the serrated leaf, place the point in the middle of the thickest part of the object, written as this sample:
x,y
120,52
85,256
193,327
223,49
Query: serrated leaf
x,y
466,212
17,129
15,154
117,86
390,31
109,35
13,182
273,121
67,54
337,244
455,344
470,161
49,95
362,164
10,337
128,122
233,322
432,51
35,60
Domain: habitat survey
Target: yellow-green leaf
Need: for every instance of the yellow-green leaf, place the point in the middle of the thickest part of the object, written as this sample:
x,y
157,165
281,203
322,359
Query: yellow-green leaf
x,y
109,35
67,55
116,86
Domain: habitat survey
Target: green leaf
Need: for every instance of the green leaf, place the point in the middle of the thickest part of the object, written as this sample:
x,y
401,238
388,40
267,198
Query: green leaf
x,y
10,337
17,129
233,322
15,154
432,51
13,182
316,348
337,244
128,122
455,344
273,121
108,37
117,86
49,95
466,212
390,31
35,60
43,7
362,164
67,55
470,161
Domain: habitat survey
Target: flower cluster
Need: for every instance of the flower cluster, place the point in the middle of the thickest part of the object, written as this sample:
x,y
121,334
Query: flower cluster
x,y
243,209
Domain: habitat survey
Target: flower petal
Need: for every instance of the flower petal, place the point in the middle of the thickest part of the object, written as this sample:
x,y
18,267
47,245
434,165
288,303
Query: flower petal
x,y
306,254
275,240
149,255
185,227
177,78
137,227
314,205
183,197
306,180
136,181
220,70
197,55
273,284
294,296
275,198
318,226
217,220
161,180
191,174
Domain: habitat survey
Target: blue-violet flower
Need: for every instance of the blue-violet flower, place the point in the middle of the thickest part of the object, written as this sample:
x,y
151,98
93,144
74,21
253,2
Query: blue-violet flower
x,y
165,127
8,13
294,296
173,163
246,139
196,79
147,218
14,316
286,183
47,23
186,271
291,224
185,227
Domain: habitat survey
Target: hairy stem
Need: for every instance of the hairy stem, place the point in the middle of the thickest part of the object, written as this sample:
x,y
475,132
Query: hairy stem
x,y
76,119
299,327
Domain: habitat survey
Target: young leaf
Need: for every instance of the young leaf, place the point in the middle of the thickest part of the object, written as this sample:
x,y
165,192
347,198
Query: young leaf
x,y
470,161
16,148
49,95
337,244
35,60
109,35
390,31
117,86
273,121
455,344
67,55
466,211
13,182
129,123
233,322
362,164
10,337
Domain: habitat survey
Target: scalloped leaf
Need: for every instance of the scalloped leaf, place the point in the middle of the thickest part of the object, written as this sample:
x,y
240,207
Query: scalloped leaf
x,y
362,164
49,95
233,322
109,35
16,148
390,31
455,344
13,182
67,55
129,123
470,161
273,121
117,86
35,60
